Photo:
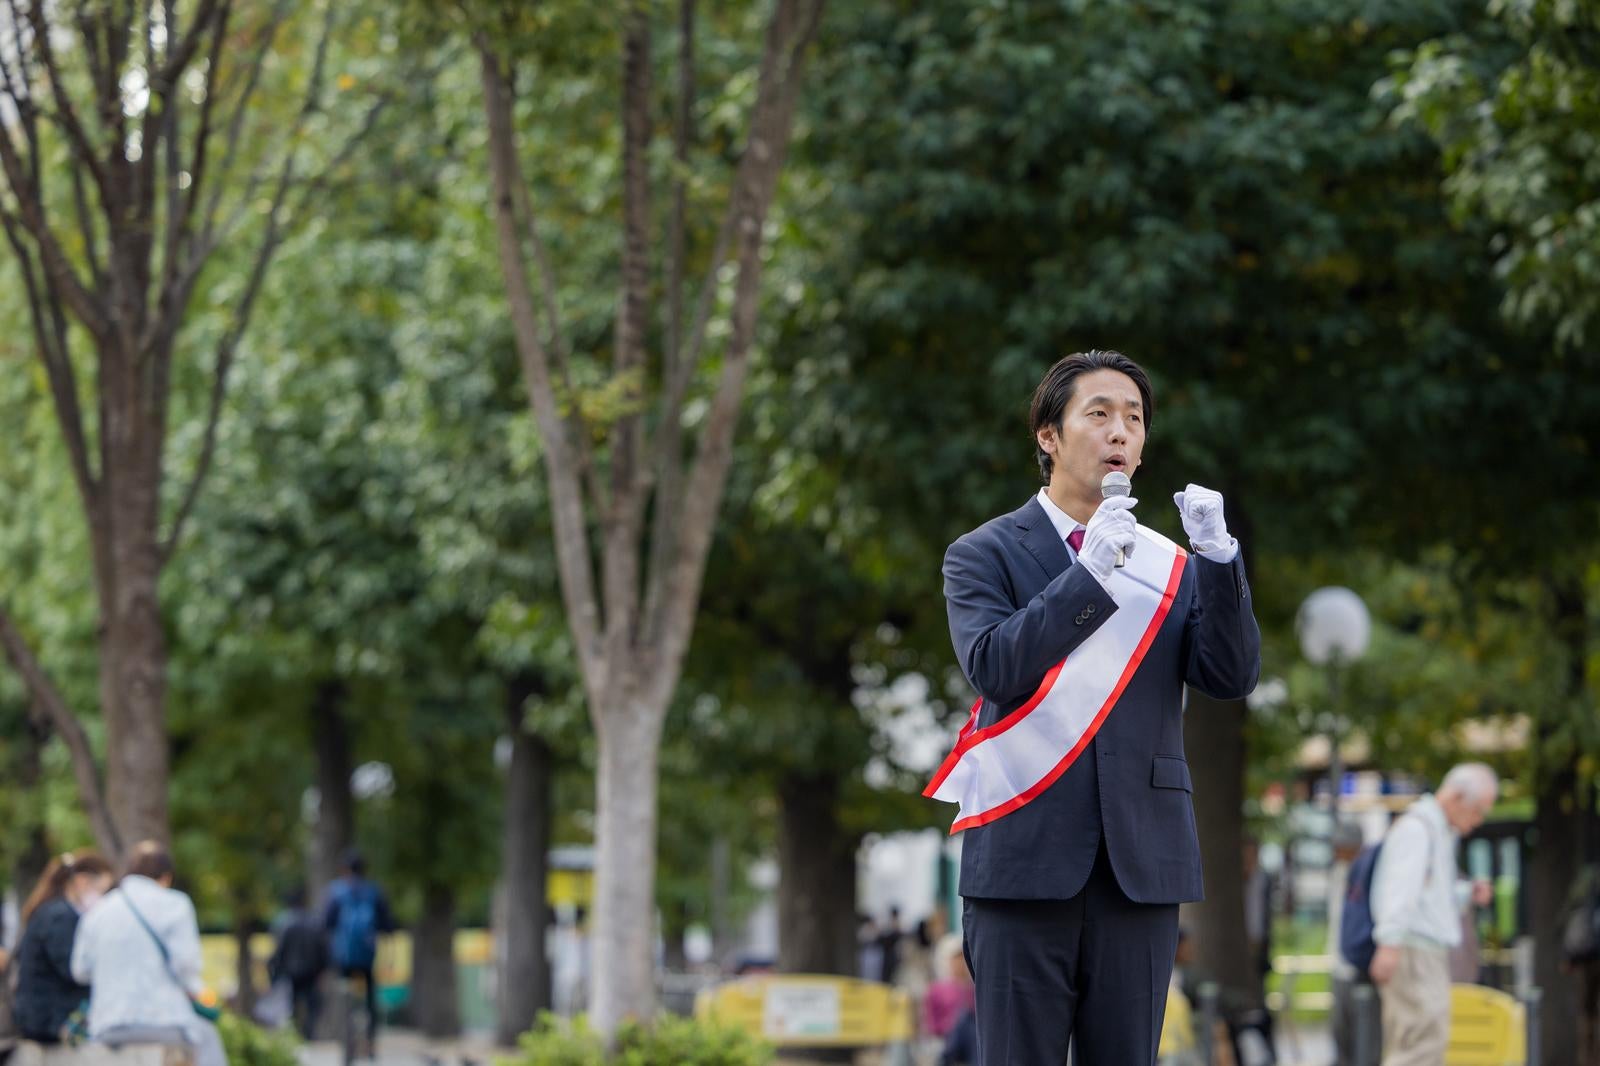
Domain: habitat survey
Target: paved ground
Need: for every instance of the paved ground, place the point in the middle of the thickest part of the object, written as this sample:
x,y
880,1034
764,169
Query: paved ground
x,y
1309,1046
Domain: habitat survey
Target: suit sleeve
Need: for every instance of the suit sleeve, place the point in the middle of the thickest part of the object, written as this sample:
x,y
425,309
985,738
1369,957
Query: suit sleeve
x,y
1005,651
1222,652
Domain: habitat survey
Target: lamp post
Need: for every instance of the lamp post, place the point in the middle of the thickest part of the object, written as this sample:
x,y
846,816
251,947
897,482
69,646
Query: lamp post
x,y
1334,627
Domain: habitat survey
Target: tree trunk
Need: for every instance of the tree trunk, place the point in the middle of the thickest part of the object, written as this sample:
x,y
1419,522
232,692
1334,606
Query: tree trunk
x,y
133,672
817,885
622,981
1551,869
523,980
433,964
1559,825
335,831
1213,738
244,971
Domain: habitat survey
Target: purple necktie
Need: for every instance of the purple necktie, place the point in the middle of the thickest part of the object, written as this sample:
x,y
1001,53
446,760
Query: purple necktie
x,y
1075,539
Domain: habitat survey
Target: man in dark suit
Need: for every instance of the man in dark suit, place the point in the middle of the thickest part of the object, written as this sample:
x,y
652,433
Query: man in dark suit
x,y
1079,629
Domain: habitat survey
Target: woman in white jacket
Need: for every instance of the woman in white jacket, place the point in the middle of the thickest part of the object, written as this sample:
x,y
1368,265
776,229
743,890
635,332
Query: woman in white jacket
x,y
138,951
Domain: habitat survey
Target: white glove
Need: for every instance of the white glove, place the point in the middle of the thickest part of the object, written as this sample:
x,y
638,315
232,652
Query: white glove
x,y
1201,509
1110,527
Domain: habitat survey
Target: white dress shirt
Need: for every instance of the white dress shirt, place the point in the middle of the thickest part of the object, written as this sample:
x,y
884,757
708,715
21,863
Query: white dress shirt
x,y
1416,895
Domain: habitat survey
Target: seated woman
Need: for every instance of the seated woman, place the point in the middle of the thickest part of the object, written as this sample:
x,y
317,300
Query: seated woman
x,y
139,953
46,992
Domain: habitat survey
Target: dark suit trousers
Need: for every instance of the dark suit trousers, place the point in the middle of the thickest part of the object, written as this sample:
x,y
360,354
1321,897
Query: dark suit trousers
x,y
1092,970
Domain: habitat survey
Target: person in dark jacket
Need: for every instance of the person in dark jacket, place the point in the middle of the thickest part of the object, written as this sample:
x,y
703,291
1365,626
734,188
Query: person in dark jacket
x,y
46,993
300,958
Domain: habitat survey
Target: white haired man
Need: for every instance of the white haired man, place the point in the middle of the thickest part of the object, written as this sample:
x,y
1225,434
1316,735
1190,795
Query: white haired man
x,y
1417,899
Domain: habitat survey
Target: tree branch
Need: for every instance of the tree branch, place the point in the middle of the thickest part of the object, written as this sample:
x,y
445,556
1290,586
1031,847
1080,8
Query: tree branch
x,y
560,356
21,176
51,335
66,111
572,545
212,237
31,216
102,75
252,80
178,55
667,451
625,517
674,592
228,346
66,725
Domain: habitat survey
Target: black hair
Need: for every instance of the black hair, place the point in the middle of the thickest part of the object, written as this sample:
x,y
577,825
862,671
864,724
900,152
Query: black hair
x,y
1055,391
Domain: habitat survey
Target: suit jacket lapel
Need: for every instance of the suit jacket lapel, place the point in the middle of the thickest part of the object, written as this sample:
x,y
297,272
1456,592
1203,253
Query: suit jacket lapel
x,y
1038,535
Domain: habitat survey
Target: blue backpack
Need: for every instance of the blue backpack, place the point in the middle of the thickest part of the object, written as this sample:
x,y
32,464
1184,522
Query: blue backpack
x,y
1355,924
355,930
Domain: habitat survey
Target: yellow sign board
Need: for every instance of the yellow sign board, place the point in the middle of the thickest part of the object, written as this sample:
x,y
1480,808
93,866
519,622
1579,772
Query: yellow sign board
x,y
811,1010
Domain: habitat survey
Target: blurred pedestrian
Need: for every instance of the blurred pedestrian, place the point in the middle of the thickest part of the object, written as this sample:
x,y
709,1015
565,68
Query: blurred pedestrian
x,y
889,943
961,1044
950,995
1251,1027
299,957
355,915
869,949
138,950
917,964
47,993
1416,910
1347,841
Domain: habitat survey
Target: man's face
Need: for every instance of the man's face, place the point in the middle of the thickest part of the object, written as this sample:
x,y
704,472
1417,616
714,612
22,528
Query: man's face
x,y
1102,430
1464,814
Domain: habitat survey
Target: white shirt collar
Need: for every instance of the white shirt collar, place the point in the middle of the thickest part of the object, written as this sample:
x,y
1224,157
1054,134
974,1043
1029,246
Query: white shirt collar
x,y
1428,809
1063,522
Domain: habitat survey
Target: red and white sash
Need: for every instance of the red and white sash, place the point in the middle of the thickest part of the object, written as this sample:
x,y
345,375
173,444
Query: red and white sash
x,y
1000,768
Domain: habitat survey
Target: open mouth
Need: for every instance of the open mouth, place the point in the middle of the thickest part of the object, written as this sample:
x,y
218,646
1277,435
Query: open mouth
x,y
1116,462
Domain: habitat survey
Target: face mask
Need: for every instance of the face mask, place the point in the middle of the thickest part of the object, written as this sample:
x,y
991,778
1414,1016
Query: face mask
x,y
87,901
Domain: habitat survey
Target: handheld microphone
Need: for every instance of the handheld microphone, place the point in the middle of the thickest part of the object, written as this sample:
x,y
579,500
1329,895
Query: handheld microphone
x,y
1116,483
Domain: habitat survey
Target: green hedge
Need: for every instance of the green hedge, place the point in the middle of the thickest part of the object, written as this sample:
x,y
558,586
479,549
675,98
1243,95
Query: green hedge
x,y
671,1041
247,1044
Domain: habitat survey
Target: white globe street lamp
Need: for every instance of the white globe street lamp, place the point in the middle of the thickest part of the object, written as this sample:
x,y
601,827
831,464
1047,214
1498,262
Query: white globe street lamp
x,y
1334,629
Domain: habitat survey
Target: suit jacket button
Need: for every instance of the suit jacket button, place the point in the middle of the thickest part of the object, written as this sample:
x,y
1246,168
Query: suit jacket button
x,y
1090,609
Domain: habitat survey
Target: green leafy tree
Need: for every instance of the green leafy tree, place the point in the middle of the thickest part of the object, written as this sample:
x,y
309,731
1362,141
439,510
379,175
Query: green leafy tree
x,y
633,507
147,136
1210,188
1514,109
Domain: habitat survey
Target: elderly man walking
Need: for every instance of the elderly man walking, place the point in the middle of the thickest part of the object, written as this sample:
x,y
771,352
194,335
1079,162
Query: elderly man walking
x,y
1417,899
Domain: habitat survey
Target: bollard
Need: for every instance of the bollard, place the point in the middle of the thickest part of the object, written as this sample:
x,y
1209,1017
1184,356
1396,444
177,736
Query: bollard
x,y
1530,1003
1365,998
1208,1022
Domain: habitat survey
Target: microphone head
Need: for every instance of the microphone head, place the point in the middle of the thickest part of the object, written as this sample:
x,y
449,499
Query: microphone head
x,y
1115,483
